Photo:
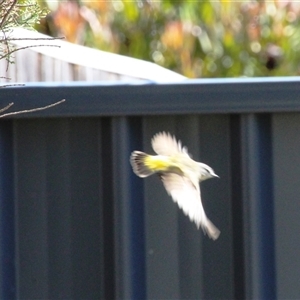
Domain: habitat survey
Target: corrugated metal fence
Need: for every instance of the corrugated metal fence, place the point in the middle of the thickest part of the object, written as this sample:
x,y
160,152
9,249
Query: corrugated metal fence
x,y
76,223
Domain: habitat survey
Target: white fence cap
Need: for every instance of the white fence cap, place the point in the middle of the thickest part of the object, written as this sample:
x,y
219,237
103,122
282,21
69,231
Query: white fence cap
x,y
93,58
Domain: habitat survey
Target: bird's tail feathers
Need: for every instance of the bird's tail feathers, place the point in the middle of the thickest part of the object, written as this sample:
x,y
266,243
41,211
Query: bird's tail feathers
x,y
198,216
212,231
137,160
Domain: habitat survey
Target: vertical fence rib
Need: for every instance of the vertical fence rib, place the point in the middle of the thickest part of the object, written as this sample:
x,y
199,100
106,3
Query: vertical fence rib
x,y
129,269
258,206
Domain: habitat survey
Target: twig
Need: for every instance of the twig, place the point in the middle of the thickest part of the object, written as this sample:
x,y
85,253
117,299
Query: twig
x,y
26,47
29,110
6,107
7,46
13,84
32,39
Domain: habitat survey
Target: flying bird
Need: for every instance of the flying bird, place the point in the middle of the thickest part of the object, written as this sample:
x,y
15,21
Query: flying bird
x,y
180,175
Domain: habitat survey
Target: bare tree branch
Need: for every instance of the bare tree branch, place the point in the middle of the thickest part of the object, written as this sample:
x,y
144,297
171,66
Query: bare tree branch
x,y
6,107
7,46
13,84
26,47
32,39
28,110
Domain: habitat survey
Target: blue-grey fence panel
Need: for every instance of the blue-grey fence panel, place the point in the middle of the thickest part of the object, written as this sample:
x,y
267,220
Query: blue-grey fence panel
x,y
58,208
172,241
76,223
286,141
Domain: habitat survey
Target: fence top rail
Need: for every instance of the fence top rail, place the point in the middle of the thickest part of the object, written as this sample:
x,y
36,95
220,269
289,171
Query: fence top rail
x,y
202,96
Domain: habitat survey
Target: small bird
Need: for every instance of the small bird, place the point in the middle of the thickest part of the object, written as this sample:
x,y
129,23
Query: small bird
x,y
180,175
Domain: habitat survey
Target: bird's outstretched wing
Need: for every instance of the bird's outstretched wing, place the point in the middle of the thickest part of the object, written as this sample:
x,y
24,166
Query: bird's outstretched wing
x,y
188,198
165,144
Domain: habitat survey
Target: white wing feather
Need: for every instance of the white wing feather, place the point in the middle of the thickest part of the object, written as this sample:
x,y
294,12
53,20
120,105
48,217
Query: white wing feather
x,y
188,198
165,144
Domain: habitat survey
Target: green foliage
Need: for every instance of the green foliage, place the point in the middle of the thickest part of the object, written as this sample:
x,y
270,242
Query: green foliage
x,y
216,38
21,13
13,13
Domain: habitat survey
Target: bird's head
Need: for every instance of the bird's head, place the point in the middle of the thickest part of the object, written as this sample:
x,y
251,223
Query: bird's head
x,y
206,172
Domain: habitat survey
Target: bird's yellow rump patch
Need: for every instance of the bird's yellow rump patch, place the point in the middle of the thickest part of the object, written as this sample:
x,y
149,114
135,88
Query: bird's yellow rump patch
x,y
157,163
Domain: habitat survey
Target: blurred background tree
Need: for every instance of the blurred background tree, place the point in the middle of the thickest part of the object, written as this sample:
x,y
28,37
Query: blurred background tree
x,y
204,38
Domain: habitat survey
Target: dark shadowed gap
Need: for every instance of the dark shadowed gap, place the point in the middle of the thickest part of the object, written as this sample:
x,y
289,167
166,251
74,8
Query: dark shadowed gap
x,y
266,208
7,226
237,208
108,211
137,216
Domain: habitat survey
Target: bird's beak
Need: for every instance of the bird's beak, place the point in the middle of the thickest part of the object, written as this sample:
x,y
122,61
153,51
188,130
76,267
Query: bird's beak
x,y
215,175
